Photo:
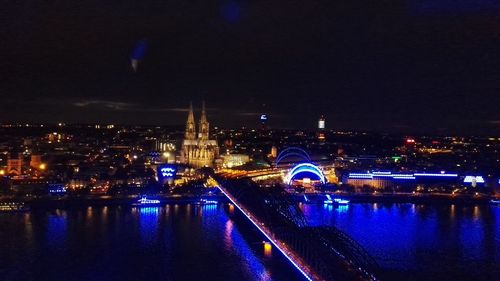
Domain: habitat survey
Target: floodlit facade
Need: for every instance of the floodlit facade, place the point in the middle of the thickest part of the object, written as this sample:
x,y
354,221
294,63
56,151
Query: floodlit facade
x,y
198,151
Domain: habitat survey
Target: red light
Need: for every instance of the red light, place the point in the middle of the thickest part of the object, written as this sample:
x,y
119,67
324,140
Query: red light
x,y
410,141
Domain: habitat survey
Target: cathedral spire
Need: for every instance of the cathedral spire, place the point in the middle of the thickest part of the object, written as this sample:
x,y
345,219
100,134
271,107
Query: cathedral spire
x,y
204,125
190,125
203,113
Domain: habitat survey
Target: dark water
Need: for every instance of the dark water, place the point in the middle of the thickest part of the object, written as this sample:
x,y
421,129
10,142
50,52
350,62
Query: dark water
x,y
188,242
175,242
422,242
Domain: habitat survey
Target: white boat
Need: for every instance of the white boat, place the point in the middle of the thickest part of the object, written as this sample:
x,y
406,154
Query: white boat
x,y
146,202
338,201
495,201
204,201
13,207
341,201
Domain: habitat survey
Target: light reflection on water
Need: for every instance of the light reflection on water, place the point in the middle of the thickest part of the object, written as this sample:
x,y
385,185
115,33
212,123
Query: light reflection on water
x,y
171,242
427,242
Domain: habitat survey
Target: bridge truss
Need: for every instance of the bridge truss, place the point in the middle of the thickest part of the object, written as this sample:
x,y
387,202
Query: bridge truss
x,y
320,253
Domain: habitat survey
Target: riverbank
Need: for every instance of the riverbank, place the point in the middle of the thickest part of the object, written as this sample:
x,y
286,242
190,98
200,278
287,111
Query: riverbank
x,y
400,198
93,200
66,201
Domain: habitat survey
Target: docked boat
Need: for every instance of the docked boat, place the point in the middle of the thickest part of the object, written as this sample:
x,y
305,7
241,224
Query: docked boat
x,y
205,201
335,201
145,202
13,207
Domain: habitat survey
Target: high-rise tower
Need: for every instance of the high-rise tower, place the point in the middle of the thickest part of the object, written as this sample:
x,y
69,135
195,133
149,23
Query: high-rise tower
x,y
190,125
321,129
321,123
204,125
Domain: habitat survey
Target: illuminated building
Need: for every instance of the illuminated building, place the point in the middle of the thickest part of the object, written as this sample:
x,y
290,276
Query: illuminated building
x,y
234,160
15,165
321,128
163,146
166,173
55,137
263,121
56,188
388,179
77,183
201,151
35,161
305,174
321,123
274,152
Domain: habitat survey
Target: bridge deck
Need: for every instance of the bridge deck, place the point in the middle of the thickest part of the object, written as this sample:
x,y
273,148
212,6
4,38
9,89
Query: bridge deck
x,y
295,259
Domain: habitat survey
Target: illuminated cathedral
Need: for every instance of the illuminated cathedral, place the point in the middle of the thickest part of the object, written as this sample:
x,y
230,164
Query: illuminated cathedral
x,y
198,151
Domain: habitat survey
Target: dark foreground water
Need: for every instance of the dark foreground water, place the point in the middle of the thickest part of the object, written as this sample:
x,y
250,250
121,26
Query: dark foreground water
x,y
174,242
189,242
422,242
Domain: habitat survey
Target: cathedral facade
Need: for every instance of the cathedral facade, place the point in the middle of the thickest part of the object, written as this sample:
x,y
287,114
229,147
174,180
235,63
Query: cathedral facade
x,y
198,150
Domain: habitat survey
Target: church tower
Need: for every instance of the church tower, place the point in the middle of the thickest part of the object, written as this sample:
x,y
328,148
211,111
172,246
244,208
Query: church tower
x,y
198,151
204,125
190,125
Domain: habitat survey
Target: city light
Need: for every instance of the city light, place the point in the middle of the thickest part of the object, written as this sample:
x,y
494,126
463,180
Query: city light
x,y
321,124
267,248
399,176
470,179
410,141
266,235
145,201
435,175
305,168
167,125
403,178
382,173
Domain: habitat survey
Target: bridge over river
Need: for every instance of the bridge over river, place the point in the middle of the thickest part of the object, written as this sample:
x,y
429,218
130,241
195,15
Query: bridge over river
x,y
319,253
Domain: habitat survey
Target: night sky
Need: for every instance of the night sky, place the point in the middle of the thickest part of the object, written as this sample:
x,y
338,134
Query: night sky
x,y
391,65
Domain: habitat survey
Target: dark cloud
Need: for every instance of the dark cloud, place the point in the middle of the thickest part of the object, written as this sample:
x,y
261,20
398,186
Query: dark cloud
x,y
124,106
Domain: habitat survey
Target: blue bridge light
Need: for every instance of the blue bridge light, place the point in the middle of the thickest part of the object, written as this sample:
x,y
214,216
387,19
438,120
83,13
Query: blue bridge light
x,y
305,168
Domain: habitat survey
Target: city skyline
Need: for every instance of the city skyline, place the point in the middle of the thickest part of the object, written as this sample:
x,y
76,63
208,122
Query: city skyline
x,y
250,140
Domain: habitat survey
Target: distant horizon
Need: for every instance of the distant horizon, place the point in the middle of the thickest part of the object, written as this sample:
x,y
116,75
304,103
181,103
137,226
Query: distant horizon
x,y
256,127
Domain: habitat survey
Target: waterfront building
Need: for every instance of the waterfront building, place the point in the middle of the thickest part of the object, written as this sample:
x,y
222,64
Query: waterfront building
x,y
381,179
198,151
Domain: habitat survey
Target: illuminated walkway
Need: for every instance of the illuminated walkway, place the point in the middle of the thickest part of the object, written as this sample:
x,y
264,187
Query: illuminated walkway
x,y
295,259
